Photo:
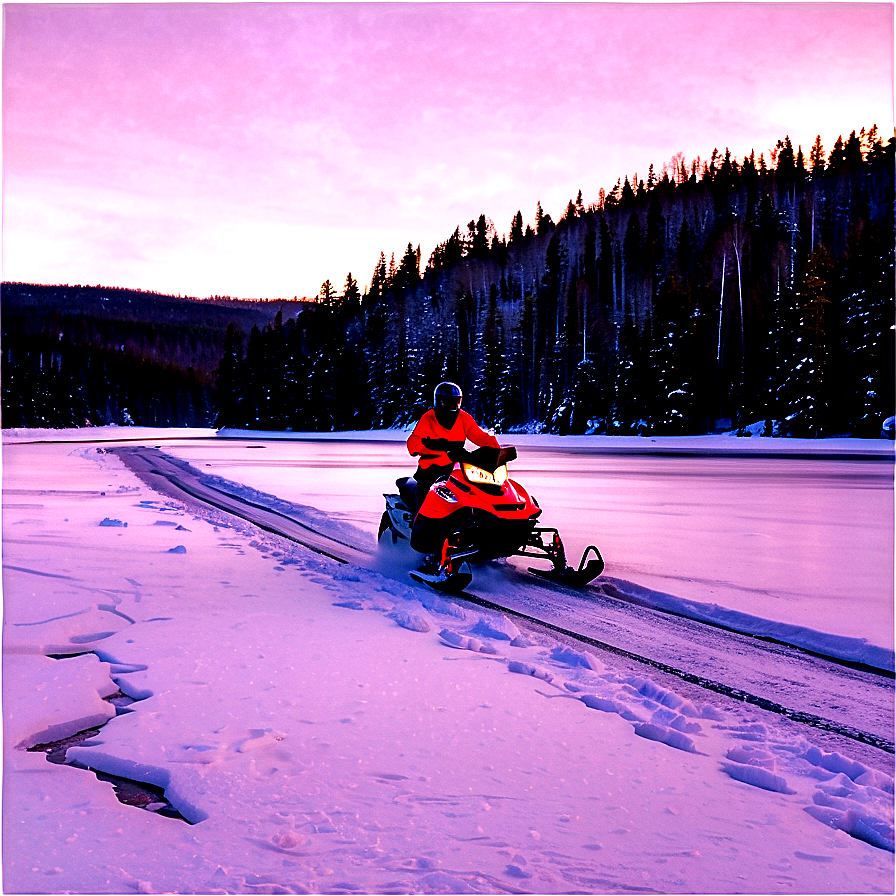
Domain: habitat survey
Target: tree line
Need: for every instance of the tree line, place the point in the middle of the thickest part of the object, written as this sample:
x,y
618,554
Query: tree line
x,y
77,355
712,294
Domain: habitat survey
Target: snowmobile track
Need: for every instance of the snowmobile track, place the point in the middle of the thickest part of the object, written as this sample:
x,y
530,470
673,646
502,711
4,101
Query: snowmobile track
x,y
177,479
707,684
162,473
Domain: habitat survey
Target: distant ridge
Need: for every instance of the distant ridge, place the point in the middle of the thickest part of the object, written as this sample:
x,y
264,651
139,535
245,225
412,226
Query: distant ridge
x,y
77,355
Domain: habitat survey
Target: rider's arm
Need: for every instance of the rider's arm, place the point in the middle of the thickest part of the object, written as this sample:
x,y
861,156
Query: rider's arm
x,y
424,432
477,435
415,440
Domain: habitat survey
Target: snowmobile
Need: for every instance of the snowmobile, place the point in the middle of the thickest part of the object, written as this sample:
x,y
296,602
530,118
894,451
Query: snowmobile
x,y
475,514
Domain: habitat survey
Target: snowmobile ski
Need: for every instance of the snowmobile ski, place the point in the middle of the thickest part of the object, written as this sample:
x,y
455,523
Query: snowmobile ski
x,y
575,578
453,582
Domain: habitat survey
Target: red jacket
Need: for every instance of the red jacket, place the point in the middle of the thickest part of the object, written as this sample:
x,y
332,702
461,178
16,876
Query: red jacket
x,y
465,427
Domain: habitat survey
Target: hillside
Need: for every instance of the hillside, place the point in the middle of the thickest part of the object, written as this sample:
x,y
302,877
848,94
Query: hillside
x,y
710,294
74,355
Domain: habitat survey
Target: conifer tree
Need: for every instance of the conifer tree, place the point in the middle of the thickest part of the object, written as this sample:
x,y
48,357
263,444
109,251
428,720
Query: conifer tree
x,y
805,388
351,294
228,395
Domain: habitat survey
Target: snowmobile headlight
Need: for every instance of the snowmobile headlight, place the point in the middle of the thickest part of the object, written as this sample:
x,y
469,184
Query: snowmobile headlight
x,y
483,477
445,493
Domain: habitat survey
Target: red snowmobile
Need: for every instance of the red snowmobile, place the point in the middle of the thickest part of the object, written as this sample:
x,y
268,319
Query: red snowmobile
x,y
477,513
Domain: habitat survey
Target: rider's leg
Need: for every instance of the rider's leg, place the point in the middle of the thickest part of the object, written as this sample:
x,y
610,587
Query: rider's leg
x,y
425,477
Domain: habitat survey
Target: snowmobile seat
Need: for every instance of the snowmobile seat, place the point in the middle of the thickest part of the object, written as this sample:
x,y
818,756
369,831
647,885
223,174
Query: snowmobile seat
x,y
407,486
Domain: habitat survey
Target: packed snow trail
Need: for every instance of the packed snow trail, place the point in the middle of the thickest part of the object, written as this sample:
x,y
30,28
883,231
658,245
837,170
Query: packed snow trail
x,y
845,699
176,479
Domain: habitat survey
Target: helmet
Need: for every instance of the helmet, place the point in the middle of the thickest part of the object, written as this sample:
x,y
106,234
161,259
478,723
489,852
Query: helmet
x,y
447,395
446,403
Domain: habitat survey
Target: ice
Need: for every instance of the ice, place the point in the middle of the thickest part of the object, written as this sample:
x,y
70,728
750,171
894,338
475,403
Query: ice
x,y
67,700
410,744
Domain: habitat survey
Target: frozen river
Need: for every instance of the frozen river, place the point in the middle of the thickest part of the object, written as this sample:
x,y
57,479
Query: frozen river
x,y
806,541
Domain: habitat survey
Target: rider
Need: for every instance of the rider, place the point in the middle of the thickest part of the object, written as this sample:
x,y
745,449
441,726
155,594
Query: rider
x,y
442,428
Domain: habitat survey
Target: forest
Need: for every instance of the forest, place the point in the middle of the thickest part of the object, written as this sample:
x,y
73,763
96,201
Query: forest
x,y
712,295
707,296
93,355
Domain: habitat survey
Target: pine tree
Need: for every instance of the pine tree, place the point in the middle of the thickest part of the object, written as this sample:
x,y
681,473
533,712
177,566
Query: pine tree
x,y
228,396
351,294
327,295
806,389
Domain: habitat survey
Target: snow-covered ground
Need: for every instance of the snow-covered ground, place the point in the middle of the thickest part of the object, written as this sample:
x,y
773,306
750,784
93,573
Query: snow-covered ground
x,y
781,538
333,730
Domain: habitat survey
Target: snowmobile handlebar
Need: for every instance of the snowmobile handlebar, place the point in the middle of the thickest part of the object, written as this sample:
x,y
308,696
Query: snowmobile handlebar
x,y
485,458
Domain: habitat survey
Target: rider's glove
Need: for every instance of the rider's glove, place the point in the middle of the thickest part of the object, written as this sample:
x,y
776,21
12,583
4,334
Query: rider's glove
x,y
456,452
438,444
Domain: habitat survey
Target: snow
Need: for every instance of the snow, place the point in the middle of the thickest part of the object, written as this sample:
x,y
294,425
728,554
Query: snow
x,y
703,528
330,729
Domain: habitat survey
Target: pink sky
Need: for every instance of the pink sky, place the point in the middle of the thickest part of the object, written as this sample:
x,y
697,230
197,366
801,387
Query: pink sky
x,y
259,149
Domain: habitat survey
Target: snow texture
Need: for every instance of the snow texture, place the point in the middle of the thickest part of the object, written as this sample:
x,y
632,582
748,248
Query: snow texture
x,y
325,729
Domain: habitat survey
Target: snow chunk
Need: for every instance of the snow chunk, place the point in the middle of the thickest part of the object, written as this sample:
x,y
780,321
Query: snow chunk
x,y
603,704
414,622
672,719
498,627
860,825
576,658
747,755
652,691
464,642
133,770
67,698
668,736
115,524
529,669
436,604
876,779
834,762
756,776
72,633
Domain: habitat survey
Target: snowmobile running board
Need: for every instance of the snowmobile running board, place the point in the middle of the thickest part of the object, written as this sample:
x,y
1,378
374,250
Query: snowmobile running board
x,y
575,578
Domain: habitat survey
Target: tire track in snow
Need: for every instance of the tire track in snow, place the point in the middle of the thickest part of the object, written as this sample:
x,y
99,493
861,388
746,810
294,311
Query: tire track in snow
x,y
177,479
738,694
161,473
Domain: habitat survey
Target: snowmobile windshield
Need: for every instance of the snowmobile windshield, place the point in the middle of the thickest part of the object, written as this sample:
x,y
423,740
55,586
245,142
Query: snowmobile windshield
x,y
486,467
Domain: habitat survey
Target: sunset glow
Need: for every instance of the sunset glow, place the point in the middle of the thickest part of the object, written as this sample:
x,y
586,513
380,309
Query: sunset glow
x,y
257,150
